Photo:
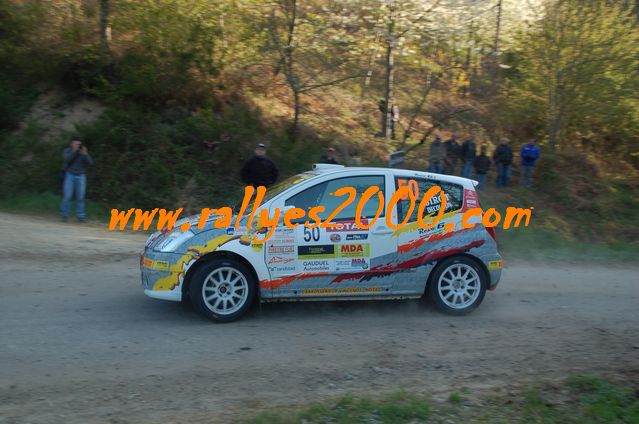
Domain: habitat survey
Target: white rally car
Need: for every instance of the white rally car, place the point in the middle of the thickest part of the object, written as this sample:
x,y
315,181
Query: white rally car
x,y
225,270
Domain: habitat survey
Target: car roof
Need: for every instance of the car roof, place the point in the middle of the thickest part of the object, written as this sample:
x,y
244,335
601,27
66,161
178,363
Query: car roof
x,y
324,169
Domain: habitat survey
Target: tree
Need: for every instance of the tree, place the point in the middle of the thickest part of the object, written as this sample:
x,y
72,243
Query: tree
x,y
310,43
402,22
578,68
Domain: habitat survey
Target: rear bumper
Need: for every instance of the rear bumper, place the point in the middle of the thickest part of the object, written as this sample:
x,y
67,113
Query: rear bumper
x,y
494,264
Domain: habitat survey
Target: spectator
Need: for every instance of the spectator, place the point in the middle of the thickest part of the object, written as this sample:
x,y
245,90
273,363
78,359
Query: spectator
x,y
468,153
381,105
503,158
452,155
529,155
353,157
482,165
76,161
259,170
329,157
437,155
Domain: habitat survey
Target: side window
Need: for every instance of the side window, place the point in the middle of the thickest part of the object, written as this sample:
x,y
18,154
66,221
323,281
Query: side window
x,y
308,198
454,197
324,194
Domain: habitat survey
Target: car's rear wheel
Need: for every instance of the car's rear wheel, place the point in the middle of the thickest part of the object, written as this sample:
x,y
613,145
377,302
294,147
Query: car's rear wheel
x,y
457,285
222,289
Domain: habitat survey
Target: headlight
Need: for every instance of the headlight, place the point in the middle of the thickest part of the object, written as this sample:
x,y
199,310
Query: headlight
x,y
173,240
152,238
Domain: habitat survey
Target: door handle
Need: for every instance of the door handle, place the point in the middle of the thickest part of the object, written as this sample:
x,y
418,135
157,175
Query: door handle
x,y
382,230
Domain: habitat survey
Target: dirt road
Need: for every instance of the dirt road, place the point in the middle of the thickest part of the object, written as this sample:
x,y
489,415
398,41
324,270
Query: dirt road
x,y
79,342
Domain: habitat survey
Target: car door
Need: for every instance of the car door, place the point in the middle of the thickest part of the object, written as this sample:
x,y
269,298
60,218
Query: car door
x,y
338,260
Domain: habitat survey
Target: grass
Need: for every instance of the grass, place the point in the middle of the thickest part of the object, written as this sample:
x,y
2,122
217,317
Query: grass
x,y
558,233
48,203
400,407
578,399
538,244
455,397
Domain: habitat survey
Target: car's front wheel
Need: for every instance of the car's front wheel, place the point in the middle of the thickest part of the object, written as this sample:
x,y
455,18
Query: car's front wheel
x,y
457,285
222,289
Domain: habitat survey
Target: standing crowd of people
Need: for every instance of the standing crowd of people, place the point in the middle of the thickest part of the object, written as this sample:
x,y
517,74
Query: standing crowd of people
x,y
446,155
260,170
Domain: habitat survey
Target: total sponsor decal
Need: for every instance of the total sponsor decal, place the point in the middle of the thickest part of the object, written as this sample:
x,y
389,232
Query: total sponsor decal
x,y
356,236
156,265
359,250
351,264
345,226
316,265
495,265
318,251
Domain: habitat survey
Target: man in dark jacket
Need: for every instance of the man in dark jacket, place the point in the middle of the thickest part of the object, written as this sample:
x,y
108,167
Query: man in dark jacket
x,y
76,161
468,153
259,170
482,165
329,157
529,155
503,158
452,155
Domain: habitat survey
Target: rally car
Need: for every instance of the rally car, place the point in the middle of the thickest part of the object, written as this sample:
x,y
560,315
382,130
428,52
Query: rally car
x,y
223,271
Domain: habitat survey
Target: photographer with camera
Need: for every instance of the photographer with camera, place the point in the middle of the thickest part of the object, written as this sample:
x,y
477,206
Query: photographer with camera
x,y
76,161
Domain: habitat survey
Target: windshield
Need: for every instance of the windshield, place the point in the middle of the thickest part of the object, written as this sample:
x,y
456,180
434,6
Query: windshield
x,y
278,188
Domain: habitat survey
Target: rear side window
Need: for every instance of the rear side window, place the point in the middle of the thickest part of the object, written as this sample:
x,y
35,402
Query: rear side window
x,y
454,197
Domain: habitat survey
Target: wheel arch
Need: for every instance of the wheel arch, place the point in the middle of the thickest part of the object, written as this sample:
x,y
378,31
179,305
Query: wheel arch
x,y
473,258
217,255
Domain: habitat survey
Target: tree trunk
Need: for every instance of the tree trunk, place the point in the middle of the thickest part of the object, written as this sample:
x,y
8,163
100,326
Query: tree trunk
x,y
291,78
418,109
369,72
555,109
390,73
105,29
297,108
495,61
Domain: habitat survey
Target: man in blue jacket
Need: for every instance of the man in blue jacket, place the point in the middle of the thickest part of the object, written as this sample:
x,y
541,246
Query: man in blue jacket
x,y
529,155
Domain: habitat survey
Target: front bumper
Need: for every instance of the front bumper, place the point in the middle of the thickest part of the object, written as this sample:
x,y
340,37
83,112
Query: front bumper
x,y
172,295
162,274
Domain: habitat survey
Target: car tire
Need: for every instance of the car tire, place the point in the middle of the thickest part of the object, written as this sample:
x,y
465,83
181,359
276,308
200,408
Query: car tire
x,y
222,289
457,285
